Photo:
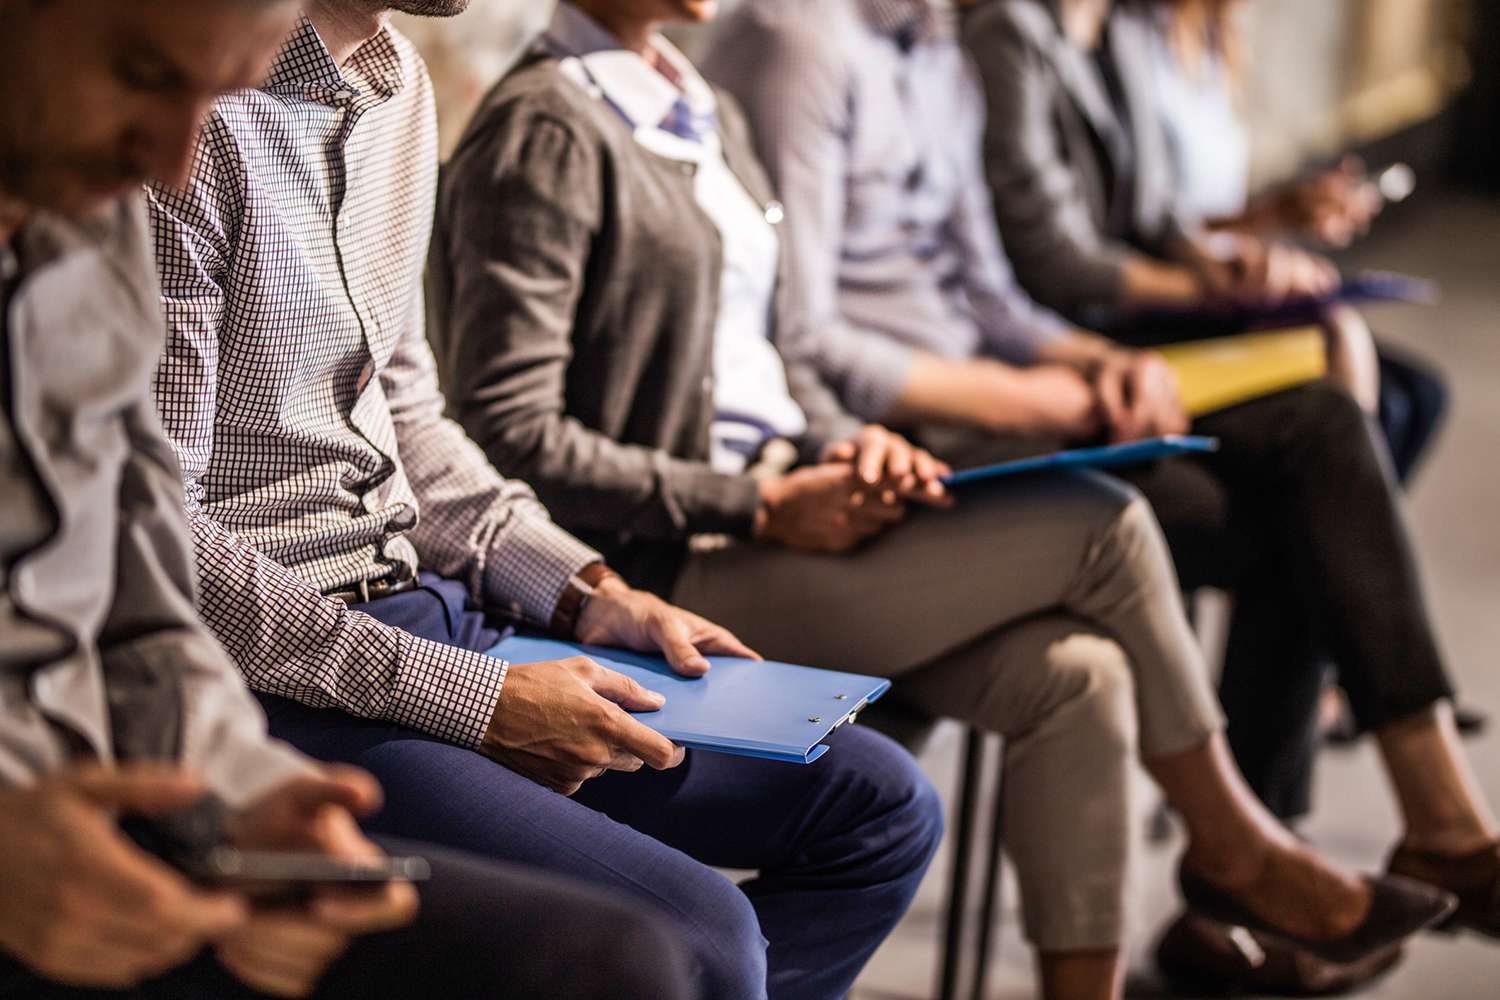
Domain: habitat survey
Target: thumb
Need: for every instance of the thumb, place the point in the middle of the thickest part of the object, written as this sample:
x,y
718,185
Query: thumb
x,y
139,789
349,787
840,451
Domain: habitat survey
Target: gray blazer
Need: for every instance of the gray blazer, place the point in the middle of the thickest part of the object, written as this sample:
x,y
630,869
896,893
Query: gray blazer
x,y
574,284
1077,189
102,655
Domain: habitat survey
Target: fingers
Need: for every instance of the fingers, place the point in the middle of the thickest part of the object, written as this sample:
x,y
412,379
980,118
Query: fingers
x,y
623,691
359,913
670,633
874,447
641,741
717,640
899,460
1109,387
349,787
139,789
281,964
840,451
162,899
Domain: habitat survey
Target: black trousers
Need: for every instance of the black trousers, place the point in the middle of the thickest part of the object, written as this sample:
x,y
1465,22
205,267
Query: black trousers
x,y
485,931
1299,516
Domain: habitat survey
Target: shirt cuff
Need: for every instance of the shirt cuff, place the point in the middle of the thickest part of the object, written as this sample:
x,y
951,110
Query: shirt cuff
x,y
531,564
445,691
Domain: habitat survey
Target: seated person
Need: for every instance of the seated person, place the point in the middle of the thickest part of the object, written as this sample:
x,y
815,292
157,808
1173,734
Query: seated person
x,y
353,544
1197,59
908,307
608,278
114,699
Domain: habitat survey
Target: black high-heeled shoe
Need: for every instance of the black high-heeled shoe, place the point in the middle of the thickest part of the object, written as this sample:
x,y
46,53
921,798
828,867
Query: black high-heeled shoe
x,y
1399,908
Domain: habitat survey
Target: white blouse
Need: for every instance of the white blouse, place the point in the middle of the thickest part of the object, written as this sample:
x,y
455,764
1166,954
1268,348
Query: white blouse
x,y
752,402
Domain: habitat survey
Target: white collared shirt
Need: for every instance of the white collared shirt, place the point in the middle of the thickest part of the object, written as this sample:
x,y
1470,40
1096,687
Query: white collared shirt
x,y
751,400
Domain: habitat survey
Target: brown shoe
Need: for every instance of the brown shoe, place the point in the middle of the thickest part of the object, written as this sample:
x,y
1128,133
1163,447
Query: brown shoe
x,y
1473,878
1199,957
1399,908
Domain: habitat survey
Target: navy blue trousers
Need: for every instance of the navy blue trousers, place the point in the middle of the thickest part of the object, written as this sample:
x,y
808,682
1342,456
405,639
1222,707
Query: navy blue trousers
x,y
838,846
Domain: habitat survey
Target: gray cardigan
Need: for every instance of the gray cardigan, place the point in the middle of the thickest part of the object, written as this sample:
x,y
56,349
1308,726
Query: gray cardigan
x,y
1076,189
574,285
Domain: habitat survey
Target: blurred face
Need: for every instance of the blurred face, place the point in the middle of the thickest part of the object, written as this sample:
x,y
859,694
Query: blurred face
x,y
663,10
98,96
428,8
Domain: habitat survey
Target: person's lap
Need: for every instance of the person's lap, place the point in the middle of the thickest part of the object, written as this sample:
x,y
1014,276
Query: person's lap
x,y
484,932
652,835
935,583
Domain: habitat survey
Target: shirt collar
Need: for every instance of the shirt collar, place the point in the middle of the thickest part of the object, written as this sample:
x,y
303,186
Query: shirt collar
x,y
304,66
908,22
46,237
641,93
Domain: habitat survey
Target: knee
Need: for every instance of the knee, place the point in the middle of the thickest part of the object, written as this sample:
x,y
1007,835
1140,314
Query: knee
x,y
1329,413
1096,690
886,790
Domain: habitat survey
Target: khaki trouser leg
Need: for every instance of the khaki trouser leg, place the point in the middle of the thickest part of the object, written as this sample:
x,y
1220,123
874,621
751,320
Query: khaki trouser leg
x,y
995,613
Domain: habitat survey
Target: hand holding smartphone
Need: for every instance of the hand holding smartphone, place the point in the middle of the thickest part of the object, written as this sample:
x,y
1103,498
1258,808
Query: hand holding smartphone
x,y
192,841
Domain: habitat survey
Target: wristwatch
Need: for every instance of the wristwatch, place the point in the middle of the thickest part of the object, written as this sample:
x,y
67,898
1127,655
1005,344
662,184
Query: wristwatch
x,y
575,596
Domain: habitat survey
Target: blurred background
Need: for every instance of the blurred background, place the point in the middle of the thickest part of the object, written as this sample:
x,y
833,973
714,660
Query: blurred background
x,y
1326,75
1410,80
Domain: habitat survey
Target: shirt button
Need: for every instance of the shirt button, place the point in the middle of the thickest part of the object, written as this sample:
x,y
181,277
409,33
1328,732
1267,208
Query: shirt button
x,y
775,213
708,385
687,169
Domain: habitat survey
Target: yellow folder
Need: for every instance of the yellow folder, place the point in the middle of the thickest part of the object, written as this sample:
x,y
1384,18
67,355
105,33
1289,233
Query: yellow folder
x,y
1215,374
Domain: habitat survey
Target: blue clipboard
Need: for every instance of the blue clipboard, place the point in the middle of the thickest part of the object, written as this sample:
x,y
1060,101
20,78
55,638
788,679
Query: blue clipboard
x,y
776,711
1109,456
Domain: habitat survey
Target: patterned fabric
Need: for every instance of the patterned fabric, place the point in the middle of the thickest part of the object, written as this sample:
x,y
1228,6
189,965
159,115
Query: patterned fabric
x,y
301,395
687,123
908,21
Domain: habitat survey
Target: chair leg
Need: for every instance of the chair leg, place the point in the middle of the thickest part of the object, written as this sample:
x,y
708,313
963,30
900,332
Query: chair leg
x,y
958,877
990,906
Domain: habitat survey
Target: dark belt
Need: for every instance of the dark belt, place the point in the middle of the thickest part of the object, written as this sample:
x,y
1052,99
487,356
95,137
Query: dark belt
x,y
373,590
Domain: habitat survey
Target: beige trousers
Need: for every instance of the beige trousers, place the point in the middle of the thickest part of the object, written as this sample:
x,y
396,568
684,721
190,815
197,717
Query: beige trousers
x,y
1044,609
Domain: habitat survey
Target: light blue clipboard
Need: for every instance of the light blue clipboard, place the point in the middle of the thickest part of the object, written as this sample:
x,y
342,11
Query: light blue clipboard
x,y
1109,456
776,711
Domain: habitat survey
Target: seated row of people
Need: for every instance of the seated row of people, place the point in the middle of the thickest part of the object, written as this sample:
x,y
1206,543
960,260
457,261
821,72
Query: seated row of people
x,y
665,386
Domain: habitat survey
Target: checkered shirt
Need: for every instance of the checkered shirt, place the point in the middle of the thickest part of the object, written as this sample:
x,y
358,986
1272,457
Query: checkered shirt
x,y
300,393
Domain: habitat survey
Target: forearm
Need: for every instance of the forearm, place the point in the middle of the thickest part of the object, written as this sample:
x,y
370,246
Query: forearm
x,y
979,393
1147,283
591,482
1080,350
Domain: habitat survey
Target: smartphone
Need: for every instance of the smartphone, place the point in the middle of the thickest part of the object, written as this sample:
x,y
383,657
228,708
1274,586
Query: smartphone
x,y
232,866
292,876
191,840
